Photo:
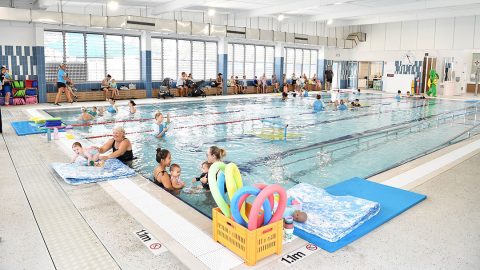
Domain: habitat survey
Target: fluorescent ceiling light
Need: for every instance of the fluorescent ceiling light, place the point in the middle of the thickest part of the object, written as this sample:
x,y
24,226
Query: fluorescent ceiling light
x,y
338,3
330,21
211,12
113,5
281,17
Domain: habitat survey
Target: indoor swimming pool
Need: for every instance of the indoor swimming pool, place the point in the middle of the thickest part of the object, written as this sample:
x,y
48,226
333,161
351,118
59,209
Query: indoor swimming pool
x,y
321,148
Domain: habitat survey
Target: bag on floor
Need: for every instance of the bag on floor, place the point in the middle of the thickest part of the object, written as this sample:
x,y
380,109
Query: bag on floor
x,y
31,100
18,101
19,93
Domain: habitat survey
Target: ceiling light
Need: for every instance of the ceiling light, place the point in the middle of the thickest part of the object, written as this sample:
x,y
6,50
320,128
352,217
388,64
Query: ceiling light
x,y
211,12
338,3
113,5
329,21
280,17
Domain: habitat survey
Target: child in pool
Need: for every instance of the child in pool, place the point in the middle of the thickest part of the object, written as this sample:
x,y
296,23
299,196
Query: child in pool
x,y
85,116
160,128
131,105
93,112
101,111
342,106
203,178
113,107
284,96
175,172
85,153
398,97
318,104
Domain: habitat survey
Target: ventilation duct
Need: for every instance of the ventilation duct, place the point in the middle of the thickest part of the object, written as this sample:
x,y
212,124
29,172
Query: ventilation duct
x,y
252,34
301,39
140,23
172,26
236,32
165,26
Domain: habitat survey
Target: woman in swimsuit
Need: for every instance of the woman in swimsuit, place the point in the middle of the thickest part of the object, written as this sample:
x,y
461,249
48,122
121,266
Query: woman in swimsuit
x,y
121,147
160,174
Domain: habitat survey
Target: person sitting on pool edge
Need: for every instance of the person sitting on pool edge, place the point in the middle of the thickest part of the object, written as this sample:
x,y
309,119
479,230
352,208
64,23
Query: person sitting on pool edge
x,y
160,128
120,145
160,174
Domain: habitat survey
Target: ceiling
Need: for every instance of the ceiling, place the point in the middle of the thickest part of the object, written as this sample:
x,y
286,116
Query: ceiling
x,y
341,12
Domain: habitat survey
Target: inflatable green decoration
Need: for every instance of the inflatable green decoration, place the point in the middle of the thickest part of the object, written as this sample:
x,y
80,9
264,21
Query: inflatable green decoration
x,y
432,83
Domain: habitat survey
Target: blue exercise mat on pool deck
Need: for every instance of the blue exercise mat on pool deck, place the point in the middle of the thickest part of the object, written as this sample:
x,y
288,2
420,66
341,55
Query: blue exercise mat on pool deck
x,y
76,174
393,202
26,128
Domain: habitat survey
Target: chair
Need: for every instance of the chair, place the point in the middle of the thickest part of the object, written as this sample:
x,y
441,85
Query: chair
x,y
164,91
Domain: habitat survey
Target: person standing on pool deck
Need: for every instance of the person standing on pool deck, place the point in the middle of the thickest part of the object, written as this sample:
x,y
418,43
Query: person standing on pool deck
x,y
120,145
62,79
328,78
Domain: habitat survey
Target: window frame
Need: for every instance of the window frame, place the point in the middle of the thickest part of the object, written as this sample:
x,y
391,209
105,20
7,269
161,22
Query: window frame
x,y
254,59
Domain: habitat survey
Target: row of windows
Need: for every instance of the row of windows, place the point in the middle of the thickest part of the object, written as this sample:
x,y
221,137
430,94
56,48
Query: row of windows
x,y
250,60
300,61
90,56
170,57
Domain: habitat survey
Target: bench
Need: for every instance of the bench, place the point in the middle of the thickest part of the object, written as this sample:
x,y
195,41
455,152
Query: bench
x,y
100,95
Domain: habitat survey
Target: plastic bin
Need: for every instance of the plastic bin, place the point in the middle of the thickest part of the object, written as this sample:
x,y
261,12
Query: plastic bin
x,y
251,246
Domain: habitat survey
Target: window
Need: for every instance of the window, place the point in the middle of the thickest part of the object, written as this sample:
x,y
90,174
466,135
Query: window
x,y
170,59
95,57
132,58
210,60
239,60
269,60
157,59
250,60
53,54
198,59
90,56
114,56
184,56
301,61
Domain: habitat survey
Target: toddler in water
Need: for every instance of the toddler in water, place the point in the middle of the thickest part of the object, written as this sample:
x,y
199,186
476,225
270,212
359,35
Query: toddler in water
x,y
85,153
203,178
113,107
175,172
101,111
159,127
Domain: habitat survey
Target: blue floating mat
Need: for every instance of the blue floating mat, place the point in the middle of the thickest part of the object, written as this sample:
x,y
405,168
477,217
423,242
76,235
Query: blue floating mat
x,y
23,128
392,202
79,173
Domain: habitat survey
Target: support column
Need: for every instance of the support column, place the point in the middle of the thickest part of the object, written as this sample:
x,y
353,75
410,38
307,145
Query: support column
x,y
223,62
321,66
38,52
146,69
279,63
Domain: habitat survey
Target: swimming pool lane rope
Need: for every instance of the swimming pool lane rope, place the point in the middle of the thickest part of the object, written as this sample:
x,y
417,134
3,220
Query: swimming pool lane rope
x,y
184,127
149,119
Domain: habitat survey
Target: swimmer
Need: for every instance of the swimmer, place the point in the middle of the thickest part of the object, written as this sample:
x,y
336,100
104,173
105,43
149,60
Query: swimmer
x,y
85,153
113,107
203,178
175,172
160,128
93,112
284,96
101,111
132,108
357,103
342,106
398,97
85,116
318,104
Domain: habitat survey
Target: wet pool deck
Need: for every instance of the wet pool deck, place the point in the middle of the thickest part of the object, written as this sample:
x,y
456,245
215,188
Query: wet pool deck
x,y
48,224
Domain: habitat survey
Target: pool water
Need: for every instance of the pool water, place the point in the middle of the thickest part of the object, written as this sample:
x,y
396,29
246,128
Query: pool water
x,y
321,148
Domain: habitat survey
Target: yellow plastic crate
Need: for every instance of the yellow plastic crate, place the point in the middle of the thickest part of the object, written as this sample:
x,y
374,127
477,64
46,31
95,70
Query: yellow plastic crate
x,y
251,246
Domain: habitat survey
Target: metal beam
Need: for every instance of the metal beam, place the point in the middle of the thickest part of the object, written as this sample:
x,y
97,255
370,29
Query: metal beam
x,y
175,5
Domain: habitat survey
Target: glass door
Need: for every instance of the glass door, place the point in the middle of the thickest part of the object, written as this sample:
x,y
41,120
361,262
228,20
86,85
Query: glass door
x,y
352,75
336,78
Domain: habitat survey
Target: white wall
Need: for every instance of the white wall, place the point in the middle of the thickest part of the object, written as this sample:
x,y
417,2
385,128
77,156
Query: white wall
x,y
17,33
450,37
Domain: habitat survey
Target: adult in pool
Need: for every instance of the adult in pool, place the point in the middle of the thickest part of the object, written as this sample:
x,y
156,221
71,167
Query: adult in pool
x,y
214,154
160,174
120,145
318,104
